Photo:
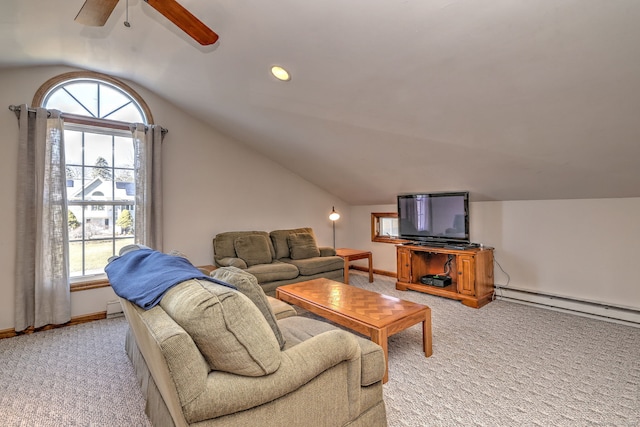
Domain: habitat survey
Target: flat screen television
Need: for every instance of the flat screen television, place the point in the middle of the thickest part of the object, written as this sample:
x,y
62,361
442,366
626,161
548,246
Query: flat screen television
x,y
438,218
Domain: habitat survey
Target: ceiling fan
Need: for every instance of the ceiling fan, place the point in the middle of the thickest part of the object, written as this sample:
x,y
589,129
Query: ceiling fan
x,y
96,12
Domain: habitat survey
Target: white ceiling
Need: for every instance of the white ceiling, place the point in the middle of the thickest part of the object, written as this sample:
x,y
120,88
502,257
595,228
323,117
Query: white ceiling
x,y
509,99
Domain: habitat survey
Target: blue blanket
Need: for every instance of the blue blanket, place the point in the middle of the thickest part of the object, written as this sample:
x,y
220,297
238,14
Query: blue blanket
x,y
144,276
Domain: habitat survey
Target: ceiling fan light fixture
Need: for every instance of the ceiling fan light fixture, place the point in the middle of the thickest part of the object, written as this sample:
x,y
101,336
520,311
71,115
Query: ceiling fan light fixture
x,y
280,73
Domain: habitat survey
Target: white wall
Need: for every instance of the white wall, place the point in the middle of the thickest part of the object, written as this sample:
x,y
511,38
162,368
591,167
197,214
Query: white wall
x,y
211,184
384,254
577,248
582,249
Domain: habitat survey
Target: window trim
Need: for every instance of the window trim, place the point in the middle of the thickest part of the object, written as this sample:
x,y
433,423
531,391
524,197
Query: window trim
x,y
86,283
375,227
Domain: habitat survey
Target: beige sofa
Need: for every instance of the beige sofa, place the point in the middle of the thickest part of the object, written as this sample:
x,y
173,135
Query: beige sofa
x,y
277,258
209,355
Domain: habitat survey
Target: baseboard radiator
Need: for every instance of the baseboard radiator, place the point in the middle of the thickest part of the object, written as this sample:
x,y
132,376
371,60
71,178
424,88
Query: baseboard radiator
x,y
114,309
624,315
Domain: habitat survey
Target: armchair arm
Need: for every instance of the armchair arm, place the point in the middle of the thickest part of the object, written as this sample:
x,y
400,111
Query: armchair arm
x,y
227,393
281,309
327,251
231,262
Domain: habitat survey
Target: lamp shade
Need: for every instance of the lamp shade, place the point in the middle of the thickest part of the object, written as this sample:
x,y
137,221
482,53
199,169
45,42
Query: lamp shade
x,y
334,216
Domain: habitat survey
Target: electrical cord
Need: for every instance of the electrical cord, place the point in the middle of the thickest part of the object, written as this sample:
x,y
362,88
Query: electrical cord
x,y
447,265
505,273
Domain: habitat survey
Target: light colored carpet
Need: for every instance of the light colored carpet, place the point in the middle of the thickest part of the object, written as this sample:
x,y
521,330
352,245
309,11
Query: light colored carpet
x,y
509,364
73,376
503,365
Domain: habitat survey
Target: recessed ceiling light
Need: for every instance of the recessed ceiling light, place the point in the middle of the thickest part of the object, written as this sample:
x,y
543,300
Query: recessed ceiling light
x,y
280,73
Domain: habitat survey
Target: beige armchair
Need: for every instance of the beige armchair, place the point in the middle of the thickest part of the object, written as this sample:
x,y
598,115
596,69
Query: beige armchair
x,y
208,355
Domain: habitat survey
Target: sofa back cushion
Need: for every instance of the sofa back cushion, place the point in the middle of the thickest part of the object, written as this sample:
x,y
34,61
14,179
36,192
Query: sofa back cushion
x,y
280,240
302,246
253,249
228,329
224,243
248,285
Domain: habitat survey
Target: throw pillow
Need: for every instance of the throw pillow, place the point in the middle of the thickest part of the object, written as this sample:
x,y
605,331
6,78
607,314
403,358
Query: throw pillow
x,y
281,243
248,285
253,249
302,246
227,327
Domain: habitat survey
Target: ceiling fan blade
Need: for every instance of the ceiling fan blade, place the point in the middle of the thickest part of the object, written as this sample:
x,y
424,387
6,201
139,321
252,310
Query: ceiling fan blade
x,y
95,12
174,12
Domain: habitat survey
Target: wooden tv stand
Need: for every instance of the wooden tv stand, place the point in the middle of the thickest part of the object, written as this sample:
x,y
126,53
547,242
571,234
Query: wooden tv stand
x,y
471,272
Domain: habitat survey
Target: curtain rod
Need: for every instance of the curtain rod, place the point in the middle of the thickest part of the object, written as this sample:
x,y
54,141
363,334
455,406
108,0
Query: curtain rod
x,y
75,118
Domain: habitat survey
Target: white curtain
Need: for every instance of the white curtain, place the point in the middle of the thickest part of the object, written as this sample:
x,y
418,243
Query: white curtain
x,y
148,175
42,260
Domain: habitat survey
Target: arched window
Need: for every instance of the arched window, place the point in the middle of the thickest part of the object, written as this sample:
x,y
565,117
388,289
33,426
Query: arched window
x,y
94,98
93,95
99,161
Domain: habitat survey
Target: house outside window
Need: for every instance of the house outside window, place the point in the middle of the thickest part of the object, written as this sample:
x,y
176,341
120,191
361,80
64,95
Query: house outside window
x,y
99,162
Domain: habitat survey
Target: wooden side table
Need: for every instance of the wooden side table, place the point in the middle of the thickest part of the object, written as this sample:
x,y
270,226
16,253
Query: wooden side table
x,y
349,255
206,268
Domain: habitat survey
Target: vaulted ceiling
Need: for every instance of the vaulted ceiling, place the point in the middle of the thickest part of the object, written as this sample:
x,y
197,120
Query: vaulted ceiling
x,y
509,99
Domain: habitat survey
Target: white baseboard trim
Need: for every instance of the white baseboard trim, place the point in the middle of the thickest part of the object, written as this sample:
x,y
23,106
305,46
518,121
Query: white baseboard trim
x,y
611,313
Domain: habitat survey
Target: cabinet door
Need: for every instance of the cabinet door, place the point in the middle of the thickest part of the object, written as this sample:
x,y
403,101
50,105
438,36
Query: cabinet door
x,y
466,275
404,265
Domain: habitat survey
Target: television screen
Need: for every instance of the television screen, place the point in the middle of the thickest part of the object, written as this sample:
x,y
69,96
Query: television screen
x,y
434,217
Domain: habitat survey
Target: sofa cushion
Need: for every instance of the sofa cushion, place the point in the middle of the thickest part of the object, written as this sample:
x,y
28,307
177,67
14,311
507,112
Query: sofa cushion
x,y
281,243
228,329
302,246
248,285
311,266
253,249
300,328
224,243
272,272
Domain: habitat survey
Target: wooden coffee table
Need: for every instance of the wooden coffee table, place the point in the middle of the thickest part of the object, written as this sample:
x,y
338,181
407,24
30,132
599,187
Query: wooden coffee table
x,y
375,315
